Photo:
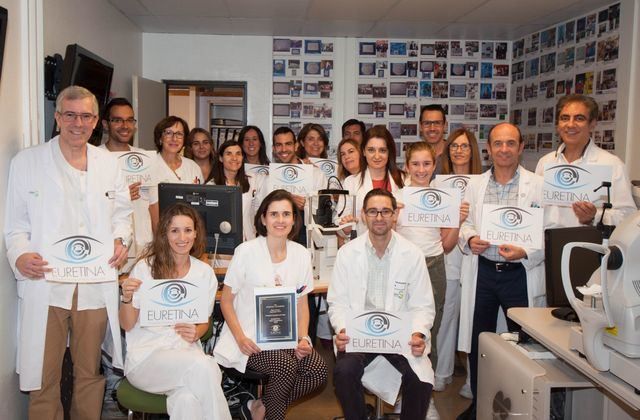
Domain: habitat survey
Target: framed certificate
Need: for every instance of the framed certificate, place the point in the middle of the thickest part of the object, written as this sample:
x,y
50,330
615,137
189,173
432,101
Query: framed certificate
x,y
276,318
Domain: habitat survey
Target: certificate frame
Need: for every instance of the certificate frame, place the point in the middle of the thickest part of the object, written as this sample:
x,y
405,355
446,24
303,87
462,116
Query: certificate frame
x,y
276,318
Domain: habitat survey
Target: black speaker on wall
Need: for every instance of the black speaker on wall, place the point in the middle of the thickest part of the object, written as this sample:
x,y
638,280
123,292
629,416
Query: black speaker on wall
x,y
3,33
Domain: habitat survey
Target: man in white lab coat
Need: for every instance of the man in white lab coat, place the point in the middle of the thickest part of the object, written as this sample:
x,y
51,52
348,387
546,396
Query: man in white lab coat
x,y
65,187
576,118
382,271
497,276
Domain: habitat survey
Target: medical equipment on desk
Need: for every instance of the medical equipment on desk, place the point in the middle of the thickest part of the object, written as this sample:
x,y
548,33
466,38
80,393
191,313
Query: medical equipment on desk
x,y
322,211
610,318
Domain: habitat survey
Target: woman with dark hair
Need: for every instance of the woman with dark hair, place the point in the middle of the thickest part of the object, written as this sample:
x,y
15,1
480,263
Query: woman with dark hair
x,y
312,142
199,148
251,141
348,158
273,259
168,359
229,170
461,156
170,166
378,169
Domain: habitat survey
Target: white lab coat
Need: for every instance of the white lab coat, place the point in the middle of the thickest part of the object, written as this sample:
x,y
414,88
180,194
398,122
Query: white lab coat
x,y
621,197
529,195
352,184
251,267
35,204
408,270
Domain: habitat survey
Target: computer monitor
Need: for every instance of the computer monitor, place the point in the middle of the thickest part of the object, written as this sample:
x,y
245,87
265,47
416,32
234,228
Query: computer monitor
x,y
216,204
583,262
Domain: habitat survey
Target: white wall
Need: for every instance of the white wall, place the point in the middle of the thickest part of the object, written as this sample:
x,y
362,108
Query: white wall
x,y
215,58
629,96
99,27
13,98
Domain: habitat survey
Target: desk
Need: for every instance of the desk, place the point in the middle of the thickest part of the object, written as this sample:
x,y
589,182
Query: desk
x,y
554,335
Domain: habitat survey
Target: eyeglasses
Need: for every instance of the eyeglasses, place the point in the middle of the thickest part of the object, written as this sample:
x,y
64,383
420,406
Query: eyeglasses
x,y
68,117
176,134
464,147
432,123
120,121
373,213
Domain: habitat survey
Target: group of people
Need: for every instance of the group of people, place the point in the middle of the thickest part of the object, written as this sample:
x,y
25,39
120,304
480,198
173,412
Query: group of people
x,y
451,281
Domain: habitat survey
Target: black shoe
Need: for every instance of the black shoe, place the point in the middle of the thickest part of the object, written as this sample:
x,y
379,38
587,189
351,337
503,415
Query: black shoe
x,y
468,414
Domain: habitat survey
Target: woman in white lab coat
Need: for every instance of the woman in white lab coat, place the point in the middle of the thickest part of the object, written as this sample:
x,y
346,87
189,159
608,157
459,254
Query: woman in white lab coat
x,y
34,209
461,156
170,165
228,169
270,260
378,170
169,359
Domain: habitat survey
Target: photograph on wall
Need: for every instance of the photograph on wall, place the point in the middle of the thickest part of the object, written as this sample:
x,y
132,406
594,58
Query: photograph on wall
x,y
471,48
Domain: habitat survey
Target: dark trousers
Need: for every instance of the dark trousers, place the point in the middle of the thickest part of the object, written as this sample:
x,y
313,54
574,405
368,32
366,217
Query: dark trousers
x,y
347,379
494,289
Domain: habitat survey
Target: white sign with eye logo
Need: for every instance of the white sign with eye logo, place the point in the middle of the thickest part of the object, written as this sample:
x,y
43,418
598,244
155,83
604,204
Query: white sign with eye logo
x,y
79,259
512,225
295,178
169,302
378,332
566,184
430,207
136,166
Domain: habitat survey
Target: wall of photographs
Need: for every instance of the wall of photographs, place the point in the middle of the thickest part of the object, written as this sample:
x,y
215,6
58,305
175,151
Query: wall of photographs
x,y
576,56
396,77
303,83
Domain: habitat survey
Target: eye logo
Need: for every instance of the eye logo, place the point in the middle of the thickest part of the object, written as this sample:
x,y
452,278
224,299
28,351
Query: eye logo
x,y
290,174
567,177
173,293
262,170
511,218
459,182
327,166
133,161
378,324
430,199
76,249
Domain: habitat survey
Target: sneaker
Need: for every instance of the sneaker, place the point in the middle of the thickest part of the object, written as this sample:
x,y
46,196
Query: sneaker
x,y
441,383
432,412
465,392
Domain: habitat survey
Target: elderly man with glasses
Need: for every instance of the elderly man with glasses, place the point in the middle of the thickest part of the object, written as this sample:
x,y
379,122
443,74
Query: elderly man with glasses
x,y
64,199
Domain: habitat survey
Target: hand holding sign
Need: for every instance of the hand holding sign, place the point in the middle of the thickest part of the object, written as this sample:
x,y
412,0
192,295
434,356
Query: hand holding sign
x,y
129,286
32,265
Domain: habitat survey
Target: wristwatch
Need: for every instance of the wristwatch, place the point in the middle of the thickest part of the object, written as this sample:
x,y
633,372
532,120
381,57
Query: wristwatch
x,y
123,241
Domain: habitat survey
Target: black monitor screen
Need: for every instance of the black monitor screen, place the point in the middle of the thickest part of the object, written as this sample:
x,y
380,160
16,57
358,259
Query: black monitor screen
x,y
216,204
582,264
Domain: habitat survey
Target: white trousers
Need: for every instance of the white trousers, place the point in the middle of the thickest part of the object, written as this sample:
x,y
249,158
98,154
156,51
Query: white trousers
x,y
190,379
448,333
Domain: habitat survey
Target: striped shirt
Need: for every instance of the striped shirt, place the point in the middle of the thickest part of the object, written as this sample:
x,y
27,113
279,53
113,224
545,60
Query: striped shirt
x,y
378,275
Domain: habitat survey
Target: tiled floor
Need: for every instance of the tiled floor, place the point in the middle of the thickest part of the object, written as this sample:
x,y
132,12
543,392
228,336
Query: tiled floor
x,y
324,406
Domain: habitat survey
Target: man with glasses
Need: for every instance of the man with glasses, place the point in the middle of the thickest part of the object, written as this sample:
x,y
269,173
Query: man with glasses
x,y
382,271
504,276
576,118
432,127
65,187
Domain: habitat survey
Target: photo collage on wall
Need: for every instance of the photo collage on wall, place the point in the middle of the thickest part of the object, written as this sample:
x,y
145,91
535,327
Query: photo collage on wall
x,y
303,74
470,79
577,56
